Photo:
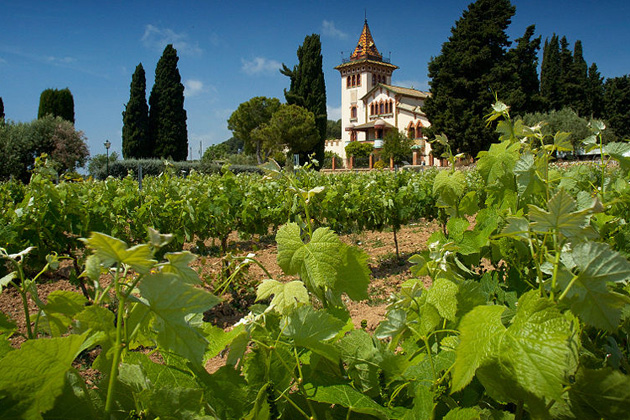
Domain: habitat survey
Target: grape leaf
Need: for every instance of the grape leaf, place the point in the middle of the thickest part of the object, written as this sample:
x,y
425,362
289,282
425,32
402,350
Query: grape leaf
x,y
498,161
353,274
316,261
442,294
311,329
286,296
559,216
32,377
110,251
61,307
171,300
535,349
589,296
480,330
345,396
99,319
602,393
178,263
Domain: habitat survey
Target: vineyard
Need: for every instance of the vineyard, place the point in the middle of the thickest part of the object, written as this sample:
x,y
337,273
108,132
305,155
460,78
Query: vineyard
x,y
527,315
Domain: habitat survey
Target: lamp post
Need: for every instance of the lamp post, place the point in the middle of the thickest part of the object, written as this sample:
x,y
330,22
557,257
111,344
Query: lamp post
x,y
107,146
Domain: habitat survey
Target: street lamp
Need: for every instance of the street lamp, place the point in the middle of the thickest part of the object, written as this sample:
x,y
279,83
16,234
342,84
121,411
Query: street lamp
x,y
107,146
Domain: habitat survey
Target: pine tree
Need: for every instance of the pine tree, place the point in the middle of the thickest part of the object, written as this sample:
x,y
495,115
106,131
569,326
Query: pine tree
x,y
167,116
135,133
595,92
58,103
308,90
551,74
465,75
522,87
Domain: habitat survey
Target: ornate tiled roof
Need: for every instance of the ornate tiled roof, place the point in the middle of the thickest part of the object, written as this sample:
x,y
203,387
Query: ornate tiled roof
x,y
365,47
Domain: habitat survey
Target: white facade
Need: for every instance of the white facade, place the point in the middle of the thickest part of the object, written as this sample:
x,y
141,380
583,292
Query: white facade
x,y
370,105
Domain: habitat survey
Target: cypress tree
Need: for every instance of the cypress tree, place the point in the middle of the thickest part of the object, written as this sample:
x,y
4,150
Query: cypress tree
x,y
466,74
1,111
167,116
595,92
308,89
522,89
551,74
135,134
577,82
58,103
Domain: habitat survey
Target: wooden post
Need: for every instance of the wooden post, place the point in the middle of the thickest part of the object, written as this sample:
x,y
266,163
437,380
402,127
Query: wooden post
x,y
391,163
333,162
371,160
351,162
431,160
415,157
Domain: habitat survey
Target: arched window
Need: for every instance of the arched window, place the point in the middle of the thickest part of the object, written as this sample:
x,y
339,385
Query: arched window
x,y
372,109
419,130
358,80
354,80
411,131
353,136
348,82
373,80
381,108
353,112
391,106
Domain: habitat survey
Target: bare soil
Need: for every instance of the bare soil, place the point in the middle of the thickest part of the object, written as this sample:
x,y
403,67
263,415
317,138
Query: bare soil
x,y
387,274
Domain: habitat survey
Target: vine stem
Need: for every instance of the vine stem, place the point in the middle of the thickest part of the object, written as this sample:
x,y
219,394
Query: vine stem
x,y
118,347
564,293
556,264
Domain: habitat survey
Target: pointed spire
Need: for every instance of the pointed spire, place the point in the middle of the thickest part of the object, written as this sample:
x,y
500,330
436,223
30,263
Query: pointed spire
x,y
365,47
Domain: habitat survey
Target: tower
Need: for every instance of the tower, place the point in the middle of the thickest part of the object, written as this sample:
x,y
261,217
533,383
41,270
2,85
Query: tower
x,y
365,69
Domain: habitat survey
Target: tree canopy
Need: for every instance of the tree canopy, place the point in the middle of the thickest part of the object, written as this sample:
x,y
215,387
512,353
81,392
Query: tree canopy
x,y
292,127
249,116
167,116
308,90
21,143
396,146
467,73
135,133
58,103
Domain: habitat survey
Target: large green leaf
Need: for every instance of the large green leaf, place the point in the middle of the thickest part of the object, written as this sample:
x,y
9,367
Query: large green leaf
x,y
560,216
110,251
535,349
498,161
32,377
171,300
442,294
603,393
449,188
423,404
595,265
346,396
528,181
286,296
61,307
353,274
316,261
311,329
480,330
99,319
179,263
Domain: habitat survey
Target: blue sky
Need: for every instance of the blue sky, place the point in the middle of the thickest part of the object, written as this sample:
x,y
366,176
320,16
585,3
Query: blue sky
x,y
230,51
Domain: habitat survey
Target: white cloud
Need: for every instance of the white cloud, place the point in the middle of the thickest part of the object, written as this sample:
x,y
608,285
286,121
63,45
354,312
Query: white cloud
x,y
193,87
158,38
329,29
60,60
333,113
260,65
